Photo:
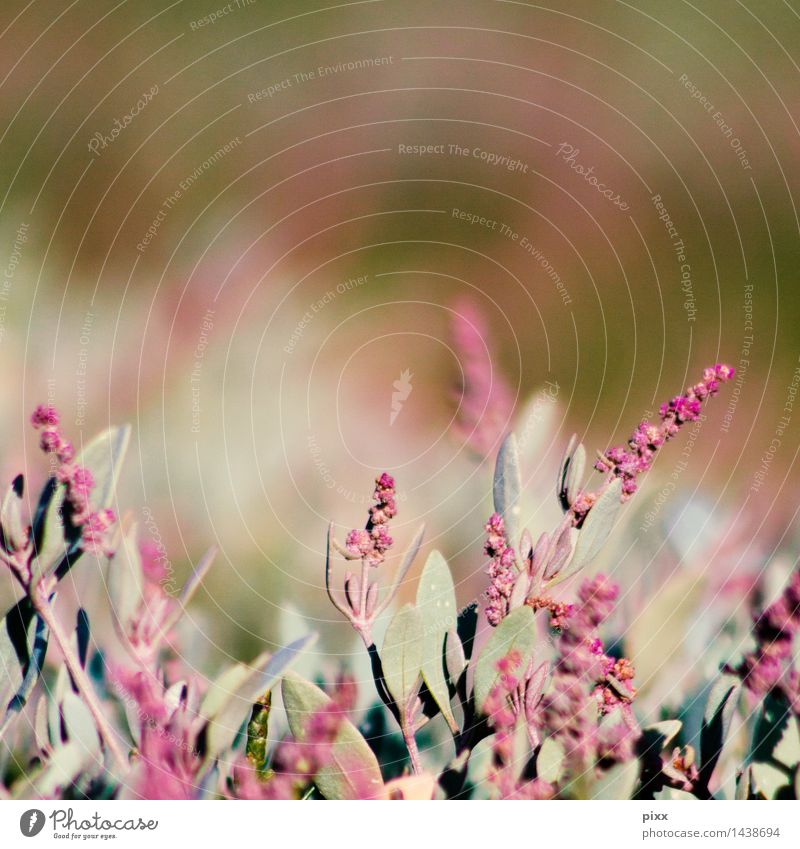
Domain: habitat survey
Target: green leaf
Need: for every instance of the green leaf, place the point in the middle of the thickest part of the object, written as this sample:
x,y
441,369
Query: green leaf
x,y
670,794
617,782
717,718
50,542
663,733
455,661
655,637
507,487
436,603
516,632
126,579
354,768
480,762
82,634
563,470
550,761
191,586
467,626
771,725
14,532
65,765
575,470
745,789
408,558
103,457
230,699
401,656
788,749
595,531
768,780
41,732
80,724
23,646
655,738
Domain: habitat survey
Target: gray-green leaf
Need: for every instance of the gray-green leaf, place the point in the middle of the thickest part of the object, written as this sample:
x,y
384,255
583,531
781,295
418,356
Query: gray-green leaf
x,y
353,768
550,761
507,487
401,656
230,698
11,515
103,457
436,603
23,645
595,531
126,579
617,782
50,541
80,724
717,718
517,632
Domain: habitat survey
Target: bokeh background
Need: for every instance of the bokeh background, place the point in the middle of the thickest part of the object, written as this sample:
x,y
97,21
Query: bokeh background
x,y
236,226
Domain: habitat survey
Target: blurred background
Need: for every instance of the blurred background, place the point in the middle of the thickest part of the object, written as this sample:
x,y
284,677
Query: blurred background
x,y
297,243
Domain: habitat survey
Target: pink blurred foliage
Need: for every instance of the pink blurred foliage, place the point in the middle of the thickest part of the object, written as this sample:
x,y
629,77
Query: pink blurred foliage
x,y
485,400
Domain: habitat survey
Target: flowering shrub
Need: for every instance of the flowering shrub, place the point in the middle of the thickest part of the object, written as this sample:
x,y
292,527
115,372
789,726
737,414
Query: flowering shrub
x,y
530,697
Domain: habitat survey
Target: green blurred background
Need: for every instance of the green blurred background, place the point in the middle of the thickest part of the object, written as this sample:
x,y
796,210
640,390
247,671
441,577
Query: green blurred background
x,y
236,225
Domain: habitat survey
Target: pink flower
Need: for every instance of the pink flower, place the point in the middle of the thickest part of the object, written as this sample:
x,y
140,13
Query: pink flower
x,y
501,569
45,416
372,542
770,665
581,689
78,480
628,462
359,542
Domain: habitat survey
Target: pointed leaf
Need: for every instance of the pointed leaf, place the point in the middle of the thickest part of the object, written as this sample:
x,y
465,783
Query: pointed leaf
x,y
40,727
401,656
507,487
436,603
82,634
104,456
49,536
126,579
574,476
466,628
771,725
717,718
23,646
455,661
230,699
658,736
595,530
405,565
14,532
517,632
191,586
563,470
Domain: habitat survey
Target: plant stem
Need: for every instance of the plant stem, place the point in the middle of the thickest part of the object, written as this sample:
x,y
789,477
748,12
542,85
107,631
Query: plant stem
x,y
411,745
407,723
79,676
364,588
